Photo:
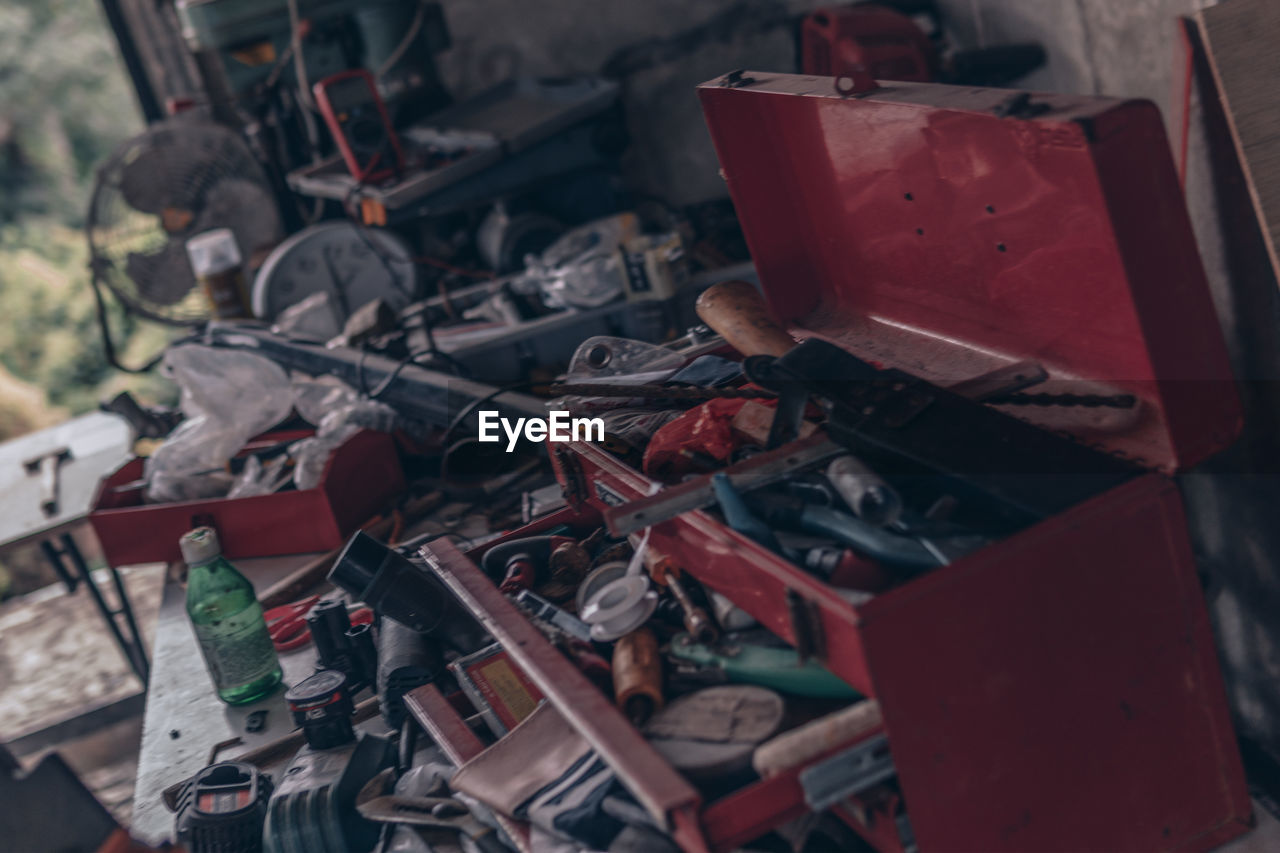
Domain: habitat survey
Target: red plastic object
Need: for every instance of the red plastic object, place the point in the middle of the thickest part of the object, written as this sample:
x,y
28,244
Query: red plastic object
x,y
865,39
359,480
704,430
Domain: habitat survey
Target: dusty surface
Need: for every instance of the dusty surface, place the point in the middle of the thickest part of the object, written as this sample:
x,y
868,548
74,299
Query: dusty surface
x,y
184,718
58,659
58,662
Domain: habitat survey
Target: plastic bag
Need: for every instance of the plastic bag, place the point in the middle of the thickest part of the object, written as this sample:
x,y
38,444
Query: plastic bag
x,y
228,396
582,269
317,396
338,413
313,319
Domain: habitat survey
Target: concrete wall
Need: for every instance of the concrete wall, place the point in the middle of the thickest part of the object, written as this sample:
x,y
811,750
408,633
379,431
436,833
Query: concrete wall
x,y
1132,47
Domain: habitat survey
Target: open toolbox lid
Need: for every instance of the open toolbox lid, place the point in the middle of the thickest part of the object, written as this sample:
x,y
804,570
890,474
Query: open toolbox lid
x,y
948,231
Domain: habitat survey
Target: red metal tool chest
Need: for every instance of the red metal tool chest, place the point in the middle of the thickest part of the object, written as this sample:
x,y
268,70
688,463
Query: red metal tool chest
x,y
360,478
1055,690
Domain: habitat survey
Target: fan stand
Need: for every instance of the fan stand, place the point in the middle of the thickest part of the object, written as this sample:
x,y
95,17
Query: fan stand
x,y
108,345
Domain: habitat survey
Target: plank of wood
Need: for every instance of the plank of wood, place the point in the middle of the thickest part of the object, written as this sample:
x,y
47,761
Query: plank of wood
x,y
1242,41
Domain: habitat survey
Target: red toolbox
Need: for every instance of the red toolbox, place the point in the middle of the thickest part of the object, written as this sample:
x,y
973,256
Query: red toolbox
x,y
359,480
1057,689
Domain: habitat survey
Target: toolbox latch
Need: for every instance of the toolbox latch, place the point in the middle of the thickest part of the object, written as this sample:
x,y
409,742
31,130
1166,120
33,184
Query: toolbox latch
x,y
806,626
1020,106
736,79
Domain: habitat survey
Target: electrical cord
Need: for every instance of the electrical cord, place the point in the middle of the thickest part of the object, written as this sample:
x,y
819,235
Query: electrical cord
x,y
108,345
403,47
428,327
461,418
412,358
306,104
299,60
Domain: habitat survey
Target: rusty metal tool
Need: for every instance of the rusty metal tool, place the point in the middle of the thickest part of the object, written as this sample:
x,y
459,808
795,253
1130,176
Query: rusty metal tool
x,y
696,621
46,466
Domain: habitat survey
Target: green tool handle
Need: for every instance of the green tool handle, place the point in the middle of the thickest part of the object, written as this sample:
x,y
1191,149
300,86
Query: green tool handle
x,y
776,668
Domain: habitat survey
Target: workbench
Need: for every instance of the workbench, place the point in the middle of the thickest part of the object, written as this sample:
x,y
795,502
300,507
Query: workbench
x,y
48,480
184,718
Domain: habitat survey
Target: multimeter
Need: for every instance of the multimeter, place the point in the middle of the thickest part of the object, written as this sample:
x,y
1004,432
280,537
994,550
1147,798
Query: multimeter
x,y
358,119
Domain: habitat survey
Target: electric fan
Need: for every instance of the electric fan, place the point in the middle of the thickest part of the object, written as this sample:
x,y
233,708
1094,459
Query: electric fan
x,y
175,180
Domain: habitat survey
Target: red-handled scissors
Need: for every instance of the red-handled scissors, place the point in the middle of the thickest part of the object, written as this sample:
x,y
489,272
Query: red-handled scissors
x,y
287,624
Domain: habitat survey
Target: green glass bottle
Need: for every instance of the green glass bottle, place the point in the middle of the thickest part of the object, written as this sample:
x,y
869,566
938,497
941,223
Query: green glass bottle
x,y
228,622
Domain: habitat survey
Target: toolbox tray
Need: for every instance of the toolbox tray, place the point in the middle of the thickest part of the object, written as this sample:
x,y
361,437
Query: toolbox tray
x,y
1058,689
359,479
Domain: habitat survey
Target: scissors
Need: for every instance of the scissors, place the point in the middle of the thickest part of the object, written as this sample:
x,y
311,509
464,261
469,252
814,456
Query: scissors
x,y
287,624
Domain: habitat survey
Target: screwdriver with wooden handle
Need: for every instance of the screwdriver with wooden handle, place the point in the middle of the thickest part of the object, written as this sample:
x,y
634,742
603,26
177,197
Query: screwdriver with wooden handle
x,y
736,311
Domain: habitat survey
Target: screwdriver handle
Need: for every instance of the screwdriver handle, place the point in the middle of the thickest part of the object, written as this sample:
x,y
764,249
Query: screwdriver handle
x,y
736,311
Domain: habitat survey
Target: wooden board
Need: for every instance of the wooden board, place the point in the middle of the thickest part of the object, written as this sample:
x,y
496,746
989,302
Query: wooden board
x,y
1242,40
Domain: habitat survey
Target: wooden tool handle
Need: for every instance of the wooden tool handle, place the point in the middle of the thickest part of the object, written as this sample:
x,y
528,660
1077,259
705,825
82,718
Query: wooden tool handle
x,y
736,311
795,747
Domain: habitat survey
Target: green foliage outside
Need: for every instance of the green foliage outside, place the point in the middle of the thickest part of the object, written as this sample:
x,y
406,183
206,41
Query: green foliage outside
x,y
65,103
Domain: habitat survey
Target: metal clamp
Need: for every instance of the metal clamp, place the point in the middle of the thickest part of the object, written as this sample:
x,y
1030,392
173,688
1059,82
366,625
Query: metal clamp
x,y
847,773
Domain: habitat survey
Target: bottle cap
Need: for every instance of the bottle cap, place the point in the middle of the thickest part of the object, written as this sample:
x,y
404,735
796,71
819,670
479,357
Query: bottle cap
x,y
213,252
200,545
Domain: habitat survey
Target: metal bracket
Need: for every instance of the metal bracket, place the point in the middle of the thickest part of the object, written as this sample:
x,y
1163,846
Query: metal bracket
x,y
760,470
847,773
131,646
574,487
906,834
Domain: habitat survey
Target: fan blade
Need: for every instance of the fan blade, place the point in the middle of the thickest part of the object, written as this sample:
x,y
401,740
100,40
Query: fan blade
x,y
163,277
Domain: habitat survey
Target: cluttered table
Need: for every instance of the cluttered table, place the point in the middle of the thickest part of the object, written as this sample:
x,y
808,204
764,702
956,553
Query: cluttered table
x,y
743,615
184,719
185,723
